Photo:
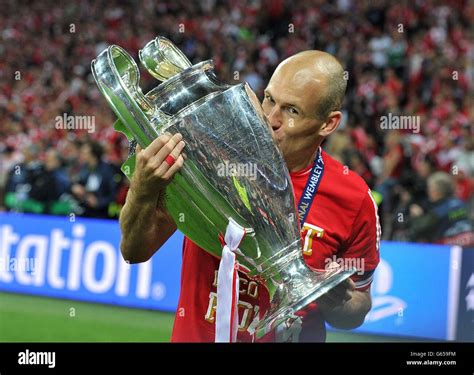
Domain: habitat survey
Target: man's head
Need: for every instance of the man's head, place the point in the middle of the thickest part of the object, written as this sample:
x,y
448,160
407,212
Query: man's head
x,y
31,154
303,100
91,153
440,185
52,160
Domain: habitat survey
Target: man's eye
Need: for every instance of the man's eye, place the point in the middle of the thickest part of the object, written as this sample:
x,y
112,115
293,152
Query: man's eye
x,y
269,98
293,111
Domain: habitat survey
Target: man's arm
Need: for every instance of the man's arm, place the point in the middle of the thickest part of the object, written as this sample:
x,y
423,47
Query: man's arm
x,y
145,227
346,305
144,221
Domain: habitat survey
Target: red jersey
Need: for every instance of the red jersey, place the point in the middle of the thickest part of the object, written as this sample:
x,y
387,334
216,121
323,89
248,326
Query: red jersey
x,y
342,226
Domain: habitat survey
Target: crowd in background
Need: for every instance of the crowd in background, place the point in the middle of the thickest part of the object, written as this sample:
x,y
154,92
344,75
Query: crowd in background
x,y
402,58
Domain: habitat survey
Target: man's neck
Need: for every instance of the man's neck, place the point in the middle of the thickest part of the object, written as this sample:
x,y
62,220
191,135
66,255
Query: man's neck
x,y
302,159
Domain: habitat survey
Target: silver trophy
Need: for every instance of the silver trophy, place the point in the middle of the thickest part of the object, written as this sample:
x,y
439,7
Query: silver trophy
x,y
224,128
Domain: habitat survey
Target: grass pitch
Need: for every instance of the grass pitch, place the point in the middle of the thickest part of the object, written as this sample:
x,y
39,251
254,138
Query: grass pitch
x,y
25,318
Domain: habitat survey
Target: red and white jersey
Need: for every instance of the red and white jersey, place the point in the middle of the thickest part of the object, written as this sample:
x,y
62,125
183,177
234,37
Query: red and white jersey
x,y
342,226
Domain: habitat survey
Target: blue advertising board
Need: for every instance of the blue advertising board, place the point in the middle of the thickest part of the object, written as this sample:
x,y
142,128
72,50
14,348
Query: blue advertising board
x,y
80,259
419,290
410,291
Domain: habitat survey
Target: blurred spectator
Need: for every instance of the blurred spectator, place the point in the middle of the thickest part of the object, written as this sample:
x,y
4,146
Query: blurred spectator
x,y
393,164
51,183
8,159
445,218
96,187
21,182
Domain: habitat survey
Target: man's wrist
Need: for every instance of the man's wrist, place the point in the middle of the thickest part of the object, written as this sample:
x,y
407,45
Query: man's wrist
x,y
143,197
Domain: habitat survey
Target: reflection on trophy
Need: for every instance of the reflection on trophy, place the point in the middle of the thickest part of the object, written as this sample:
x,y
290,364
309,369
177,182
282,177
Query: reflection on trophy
x,y
222,125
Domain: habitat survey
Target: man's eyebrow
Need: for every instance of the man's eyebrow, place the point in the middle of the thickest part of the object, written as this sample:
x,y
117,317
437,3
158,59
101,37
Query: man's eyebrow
x,y
298,107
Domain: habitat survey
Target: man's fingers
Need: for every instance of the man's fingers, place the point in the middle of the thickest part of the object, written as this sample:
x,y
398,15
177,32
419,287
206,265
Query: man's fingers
x,y
166,149
327,301
175,153
346,286
157,145
351,284
338,296
336,300
174,168
340,293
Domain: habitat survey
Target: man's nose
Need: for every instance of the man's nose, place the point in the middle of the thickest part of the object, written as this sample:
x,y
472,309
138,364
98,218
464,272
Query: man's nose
x,y
274,117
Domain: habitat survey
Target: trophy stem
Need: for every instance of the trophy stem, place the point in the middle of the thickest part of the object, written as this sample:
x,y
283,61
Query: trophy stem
x,y
294,287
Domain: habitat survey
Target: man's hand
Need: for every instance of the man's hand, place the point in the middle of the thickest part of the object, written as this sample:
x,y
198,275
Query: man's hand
x,y
337,296
152,172
415,210
144,221
344,307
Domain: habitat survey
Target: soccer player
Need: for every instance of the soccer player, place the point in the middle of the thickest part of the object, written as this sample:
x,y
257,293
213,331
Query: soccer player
x,y
338,215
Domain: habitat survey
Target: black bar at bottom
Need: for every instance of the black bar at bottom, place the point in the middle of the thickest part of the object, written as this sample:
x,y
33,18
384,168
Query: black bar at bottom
x,y
330,358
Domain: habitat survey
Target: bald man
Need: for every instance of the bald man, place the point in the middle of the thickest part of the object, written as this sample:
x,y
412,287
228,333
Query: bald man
x,y
337,214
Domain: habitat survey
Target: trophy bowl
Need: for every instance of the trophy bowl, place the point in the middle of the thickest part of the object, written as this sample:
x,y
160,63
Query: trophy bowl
x,y
233,170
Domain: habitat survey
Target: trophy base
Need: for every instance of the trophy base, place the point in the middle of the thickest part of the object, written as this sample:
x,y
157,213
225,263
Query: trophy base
x,y
297,291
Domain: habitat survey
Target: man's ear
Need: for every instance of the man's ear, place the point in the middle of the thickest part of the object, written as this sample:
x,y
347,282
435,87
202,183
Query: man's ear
x,y
331,124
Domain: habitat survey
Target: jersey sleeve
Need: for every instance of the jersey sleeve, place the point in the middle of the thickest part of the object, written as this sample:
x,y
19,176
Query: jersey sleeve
x,y
362,247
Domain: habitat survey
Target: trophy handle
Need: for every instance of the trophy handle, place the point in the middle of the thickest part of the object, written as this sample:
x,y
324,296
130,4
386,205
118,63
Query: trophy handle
x,y
117,76
128,167
163,59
